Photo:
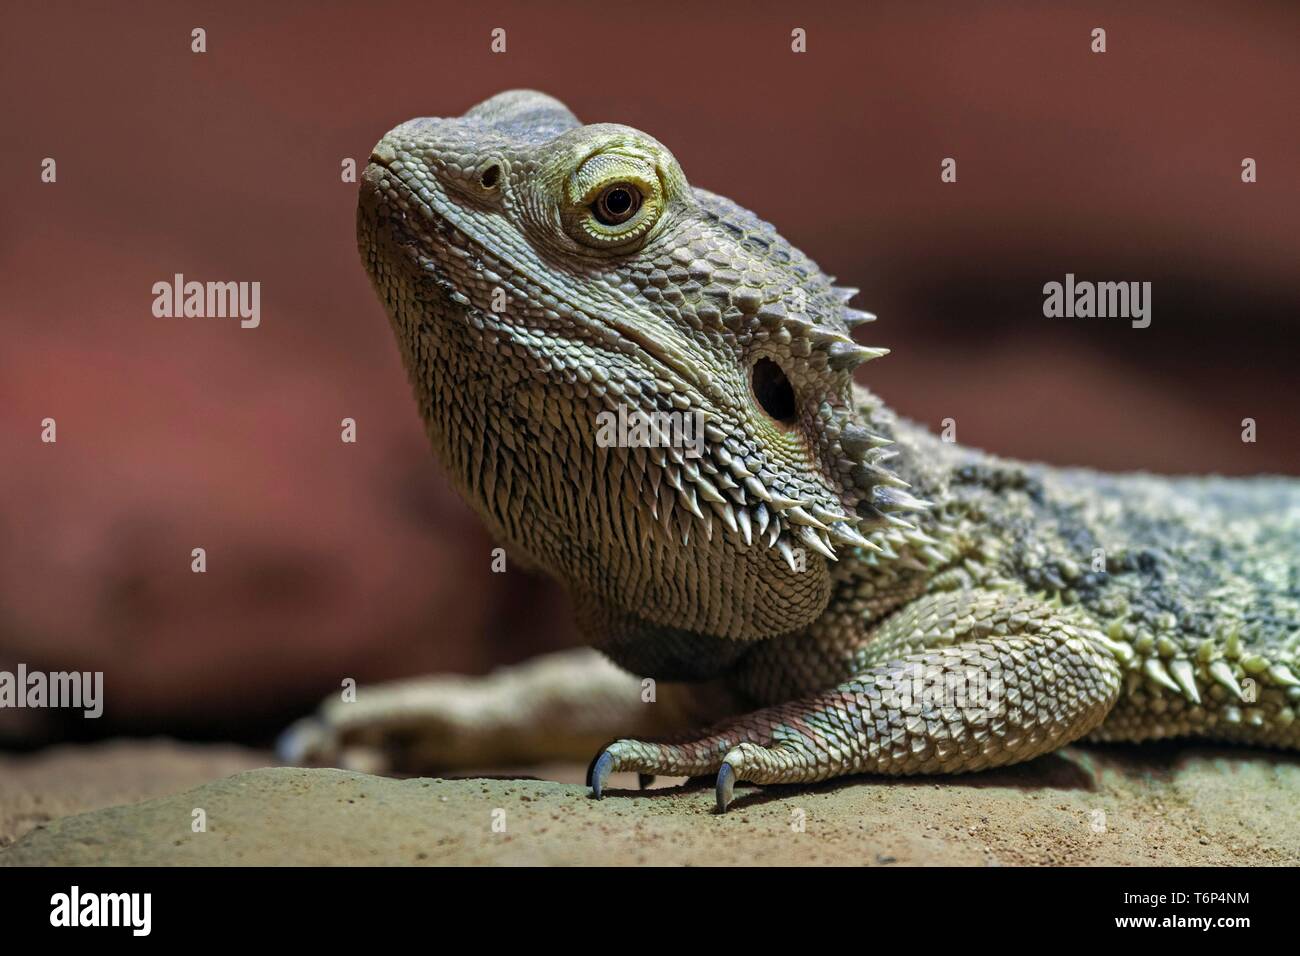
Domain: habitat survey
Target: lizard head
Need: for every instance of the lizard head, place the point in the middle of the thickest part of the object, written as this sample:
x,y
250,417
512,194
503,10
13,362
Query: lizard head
x,y
640,386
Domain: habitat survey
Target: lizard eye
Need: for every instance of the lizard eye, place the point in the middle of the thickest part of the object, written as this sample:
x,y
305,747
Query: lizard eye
x,y
616,204
614,200
774,392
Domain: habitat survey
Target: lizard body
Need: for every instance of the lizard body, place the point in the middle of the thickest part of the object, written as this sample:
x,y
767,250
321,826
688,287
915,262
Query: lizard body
x,y
870,598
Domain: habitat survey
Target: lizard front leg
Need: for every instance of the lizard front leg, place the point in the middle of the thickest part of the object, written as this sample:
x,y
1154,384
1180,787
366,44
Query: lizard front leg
x,y
557,707
952,682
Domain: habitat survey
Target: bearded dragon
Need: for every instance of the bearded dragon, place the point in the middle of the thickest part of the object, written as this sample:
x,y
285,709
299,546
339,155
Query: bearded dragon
x,y
832,589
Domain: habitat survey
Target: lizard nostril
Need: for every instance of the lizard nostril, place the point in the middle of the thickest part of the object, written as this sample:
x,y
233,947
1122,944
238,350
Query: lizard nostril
x,y
490,177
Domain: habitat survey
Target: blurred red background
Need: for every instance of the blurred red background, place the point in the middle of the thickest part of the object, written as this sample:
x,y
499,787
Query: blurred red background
x,y
328,560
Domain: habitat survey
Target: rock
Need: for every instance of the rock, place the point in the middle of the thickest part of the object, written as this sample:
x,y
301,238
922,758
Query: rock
x,y
1154,805
66,779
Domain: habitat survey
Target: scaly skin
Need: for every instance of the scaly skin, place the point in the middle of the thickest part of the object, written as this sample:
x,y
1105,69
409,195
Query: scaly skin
x,y
822,561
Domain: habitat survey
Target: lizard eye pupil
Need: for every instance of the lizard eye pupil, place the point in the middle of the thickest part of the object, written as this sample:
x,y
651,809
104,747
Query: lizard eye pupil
x,y
618,201
773,390
617,204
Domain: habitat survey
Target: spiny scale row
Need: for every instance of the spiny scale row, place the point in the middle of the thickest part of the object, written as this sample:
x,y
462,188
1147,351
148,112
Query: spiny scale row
x,y
722,484
1162,661
841,352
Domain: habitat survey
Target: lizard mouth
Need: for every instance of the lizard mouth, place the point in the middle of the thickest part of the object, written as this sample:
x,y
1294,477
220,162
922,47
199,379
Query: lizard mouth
x,y
406,207
413,229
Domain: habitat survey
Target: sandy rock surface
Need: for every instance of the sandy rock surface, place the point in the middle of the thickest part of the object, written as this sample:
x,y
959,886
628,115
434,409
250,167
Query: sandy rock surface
x,y
1196,806
36,789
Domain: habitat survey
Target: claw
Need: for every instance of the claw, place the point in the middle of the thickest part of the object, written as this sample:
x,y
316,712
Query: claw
x,y
298,741
726,783
599,773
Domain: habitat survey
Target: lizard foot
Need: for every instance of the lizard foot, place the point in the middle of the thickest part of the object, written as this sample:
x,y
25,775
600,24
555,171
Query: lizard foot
x,y
751,744
648,760
438,723
553,708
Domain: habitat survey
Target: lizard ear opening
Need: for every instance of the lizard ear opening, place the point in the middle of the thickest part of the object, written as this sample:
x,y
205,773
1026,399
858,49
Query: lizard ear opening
x,y
773,391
